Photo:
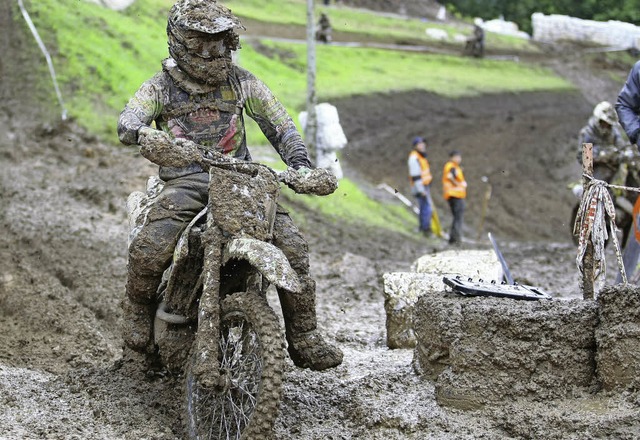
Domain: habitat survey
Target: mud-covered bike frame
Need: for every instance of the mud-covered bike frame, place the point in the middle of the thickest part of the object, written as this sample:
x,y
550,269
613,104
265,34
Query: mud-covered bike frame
x,y
213,321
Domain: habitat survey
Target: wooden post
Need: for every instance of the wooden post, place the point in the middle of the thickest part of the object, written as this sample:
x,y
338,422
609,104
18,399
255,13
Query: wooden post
x,y
588,266
312,122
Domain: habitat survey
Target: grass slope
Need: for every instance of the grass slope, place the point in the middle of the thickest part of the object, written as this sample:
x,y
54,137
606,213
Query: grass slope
x,y
102,57
369,23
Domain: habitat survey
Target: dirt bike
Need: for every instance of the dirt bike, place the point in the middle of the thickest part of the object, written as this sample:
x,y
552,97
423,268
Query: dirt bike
x,y
323,35
473,48
606,168
213,320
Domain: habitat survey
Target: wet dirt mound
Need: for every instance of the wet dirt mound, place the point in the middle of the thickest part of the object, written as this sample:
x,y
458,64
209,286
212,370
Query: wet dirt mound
x,y
484,351
63,247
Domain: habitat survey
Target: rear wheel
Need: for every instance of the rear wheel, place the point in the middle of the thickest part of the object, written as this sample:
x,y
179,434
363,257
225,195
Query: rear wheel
x,y
246,403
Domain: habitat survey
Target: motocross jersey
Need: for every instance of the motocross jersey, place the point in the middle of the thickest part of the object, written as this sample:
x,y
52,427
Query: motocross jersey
x,y
211,116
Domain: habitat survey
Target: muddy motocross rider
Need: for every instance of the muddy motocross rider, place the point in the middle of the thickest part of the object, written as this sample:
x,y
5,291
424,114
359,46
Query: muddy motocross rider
x,y
602,131
199,97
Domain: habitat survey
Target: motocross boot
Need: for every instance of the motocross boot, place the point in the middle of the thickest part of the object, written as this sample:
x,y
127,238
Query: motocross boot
x,y
306,346
137,325
138,310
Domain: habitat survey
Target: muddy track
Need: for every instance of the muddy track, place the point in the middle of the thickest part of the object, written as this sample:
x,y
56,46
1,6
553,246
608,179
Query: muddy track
x,y
62,192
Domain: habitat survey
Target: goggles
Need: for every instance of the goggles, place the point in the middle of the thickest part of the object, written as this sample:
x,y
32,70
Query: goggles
x,y
202,45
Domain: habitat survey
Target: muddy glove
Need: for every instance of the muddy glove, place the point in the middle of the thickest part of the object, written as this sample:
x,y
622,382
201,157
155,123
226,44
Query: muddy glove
x,y
161,149
319,181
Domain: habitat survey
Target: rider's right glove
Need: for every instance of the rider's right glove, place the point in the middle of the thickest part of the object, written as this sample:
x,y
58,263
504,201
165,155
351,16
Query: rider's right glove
x,y
161,149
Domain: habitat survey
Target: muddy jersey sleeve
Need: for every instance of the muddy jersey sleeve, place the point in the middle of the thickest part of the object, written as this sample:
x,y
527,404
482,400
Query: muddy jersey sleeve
x,y
274,121
628,104
141,110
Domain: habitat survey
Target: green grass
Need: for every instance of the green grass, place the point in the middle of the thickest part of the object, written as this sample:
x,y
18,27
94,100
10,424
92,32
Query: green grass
x,y
344,71
369,23
102,57
350,204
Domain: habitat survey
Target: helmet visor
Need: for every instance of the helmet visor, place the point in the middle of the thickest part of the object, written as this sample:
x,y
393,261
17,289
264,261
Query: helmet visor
x,y
202,45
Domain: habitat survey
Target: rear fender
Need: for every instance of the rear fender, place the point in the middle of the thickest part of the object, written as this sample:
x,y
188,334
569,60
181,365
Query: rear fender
x,y
268,259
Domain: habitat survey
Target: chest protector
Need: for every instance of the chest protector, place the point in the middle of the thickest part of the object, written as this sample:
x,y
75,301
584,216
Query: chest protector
x,y
211,117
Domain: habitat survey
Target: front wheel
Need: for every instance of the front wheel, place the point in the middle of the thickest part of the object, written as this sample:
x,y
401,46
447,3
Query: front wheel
x,y
246,403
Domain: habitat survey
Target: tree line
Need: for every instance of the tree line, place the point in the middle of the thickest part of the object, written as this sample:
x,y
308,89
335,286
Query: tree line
x,y
520,11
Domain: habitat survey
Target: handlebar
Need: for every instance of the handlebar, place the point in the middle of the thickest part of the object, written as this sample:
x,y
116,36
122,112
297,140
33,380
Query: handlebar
x,y
318,181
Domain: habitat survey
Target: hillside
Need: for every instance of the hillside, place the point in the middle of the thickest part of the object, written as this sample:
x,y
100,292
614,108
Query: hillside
x,y
62,193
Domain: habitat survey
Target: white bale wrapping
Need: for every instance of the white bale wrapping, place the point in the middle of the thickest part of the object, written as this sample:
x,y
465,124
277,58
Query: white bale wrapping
x,y
483,264
330,137
401,291
562,27
503,27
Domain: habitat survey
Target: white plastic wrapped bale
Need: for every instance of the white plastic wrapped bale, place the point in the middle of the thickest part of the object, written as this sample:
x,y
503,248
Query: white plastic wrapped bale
x,y
401,292
330,137
403,289
437,34
481,264
503,27
611,33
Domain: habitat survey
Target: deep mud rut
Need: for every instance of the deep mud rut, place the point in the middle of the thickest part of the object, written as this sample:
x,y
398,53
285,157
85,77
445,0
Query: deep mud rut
x,y
63,253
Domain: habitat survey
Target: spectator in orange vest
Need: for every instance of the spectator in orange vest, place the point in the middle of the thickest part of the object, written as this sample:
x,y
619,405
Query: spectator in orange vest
x,y
420,179
455,191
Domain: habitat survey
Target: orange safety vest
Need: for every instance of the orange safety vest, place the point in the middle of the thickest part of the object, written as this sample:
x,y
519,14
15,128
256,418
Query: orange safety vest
x,y
425,170
453,188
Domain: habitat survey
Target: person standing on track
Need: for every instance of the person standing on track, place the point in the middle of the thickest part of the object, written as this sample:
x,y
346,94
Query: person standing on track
x,y
420,178
455,193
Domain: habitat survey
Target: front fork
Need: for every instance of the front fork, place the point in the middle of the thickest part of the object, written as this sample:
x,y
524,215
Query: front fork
x,y
207,347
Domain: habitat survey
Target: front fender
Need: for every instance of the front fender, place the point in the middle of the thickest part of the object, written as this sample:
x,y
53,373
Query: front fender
x,y
268,259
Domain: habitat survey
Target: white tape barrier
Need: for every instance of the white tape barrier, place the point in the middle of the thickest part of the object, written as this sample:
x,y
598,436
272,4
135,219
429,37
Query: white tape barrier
x,y
34,31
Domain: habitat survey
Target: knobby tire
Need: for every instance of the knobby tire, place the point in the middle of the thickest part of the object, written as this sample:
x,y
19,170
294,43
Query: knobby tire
x,y
252,361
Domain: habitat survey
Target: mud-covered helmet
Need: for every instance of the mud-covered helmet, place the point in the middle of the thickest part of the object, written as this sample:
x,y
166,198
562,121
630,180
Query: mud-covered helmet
x,y
191,21
604,111
201,36
206,16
